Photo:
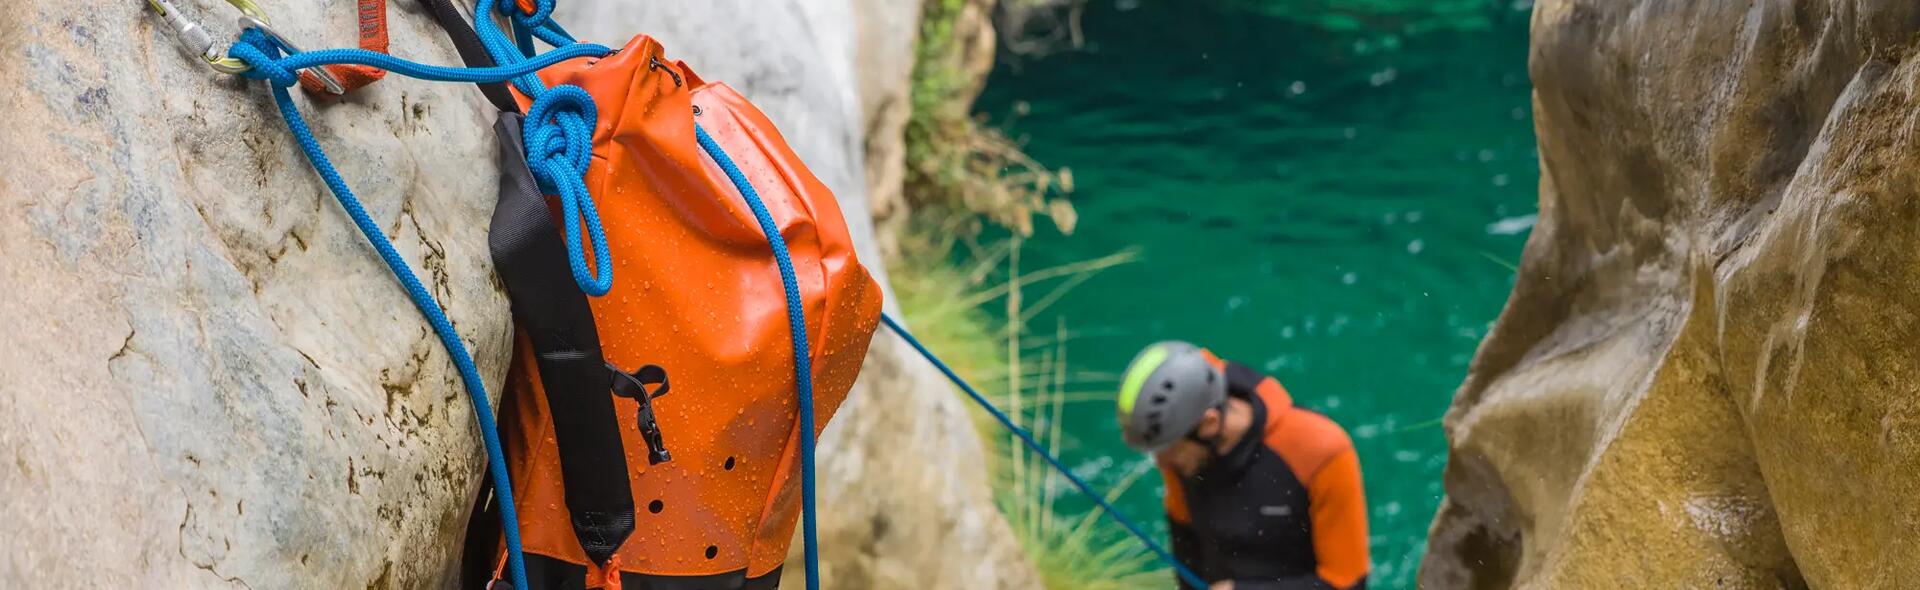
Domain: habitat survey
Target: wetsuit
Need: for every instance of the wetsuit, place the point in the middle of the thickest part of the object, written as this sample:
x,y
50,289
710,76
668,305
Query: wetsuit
x,y
1283,509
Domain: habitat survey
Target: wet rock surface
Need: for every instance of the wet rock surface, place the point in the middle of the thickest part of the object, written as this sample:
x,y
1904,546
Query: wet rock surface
x,y
212,382
1705,375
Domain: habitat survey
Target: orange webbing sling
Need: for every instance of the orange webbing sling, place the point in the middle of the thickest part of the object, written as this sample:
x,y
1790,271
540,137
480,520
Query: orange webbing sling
x,y
654,435
372,20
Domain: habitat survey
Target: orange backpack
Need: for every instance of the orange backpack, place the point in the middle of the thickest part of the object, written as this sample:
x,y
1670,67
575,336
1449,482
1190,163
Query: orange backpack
x,y
592,432
652,433
660,434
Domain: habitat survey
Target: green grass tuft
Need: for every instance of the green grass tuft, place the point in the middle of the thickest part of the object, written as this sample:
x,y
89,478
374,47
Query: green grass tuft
x,y
946,303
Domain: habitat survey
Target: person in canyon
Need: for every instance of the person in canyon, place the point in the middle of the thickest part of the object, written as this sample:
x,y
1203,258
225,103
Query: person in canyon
x,y
1261,494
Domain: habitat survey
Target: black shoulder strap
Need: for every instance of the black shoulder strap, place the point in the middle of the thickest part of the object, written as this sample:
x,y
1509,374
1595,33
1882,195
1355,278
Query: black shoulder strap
x,y
472,51
530,257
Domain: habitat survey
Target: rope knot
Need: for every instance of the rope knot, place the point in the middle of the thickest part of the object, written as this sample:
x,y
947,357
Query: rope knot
x,y
558,131
559,128
262,55
532,14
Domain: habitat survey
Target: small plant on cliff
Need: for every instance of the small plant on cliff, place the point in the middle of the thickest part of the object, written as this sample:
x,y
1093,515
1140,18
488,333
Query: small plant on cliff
x,y
955,163
961,175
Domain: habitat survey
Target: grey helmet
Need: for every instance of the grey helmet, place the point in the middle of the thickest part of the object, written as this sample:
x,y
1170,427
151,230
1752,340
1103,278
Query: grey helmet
x,y
1164,394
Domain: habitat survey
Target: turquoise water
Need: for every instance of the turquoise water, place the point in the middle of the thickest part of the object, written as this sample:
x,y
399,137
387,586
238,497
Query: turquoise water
x,y
1329,198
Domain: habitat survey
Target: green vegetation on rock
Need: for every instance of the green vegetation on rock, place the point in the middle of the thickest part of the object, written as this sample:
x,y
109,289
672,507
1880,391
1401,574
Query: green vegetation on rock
x,y
956,165
961,176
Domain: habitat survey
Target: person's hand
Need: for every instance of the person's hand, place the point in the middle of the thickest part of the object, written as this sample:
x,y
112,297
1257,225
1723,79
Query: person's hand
x,y
1223,585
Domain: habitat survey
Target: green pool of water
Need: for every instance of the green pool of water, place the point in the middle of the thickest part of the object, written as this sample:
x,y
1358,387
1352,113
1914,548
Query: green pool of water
x,y
1331,198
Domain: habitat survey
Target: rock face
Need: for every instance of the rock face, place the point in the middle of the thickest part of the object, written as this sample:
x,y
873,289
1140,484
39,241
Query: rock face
x,y
889,30
213,383
1705,375
888,53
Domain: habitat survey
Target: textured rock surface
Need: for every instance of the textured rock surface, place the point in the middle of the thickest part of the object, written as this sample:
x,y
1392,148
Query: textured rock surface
x,y
210,380
1705,376
903,497
887,60
888,32
213,383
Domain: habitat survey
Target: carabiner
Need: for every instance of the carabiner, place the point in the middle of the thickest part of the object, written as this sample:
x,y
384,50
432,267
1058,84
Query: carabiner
x,y
196,39
326,78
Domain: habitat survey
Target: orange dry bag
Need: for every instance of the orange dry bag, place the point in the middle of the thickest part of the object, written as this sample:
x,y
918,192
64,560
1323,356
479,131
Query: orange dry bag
x,y
652,436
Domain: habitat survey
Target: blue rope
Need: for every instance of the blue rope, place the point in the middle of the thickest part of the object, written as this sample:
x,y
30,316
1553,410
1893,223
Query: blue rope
x,y
276,68
559,142
558,160
507,50
802,361
1180,568
523,39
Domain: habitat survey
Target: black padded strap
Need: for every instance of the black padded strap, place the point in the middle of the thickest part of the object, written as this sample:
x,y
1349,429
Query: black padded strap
x,y
472,51
530,256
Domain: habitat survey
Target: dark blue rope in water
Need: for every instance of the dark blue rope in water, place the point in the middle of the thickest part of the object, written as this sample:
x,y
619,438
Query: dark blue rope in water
x,y
1180,568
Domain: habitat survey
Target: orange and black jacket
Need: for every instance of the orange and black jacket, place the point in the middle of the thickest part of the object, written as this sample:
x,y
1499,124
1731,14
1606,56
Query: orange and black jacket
x,y
1283,509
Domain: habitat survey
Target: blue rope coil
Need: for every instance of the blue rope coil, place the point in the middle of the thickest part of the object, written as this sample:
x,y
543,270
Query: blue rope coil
x,y
563,117
563,114
559,133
